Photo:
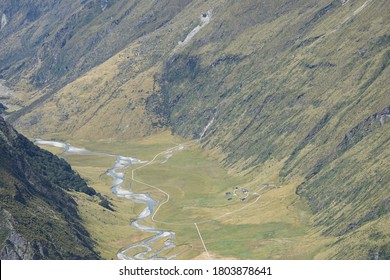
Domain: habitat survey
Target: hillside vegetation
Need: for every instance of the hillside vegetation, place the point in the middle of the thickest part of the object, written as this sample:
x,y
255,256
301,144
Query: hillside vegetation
x,y
39,219
298,84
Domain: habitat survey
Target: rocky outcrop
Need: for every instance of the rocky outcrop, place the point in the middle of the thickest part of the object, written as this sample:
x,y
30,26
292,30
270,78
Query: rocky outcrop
x,y
4,21
364,128
3,108
16,247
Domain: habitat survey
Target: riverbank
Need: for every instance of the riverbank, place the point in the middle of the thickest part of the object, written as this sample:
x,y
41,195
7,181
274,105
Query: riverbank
x,y
263,226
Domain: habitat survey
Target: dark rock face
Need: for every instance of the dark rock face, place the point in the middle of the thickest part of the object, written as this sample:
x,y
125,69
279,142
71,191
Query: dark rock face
x,y
364,128
3,108
39,219
16,246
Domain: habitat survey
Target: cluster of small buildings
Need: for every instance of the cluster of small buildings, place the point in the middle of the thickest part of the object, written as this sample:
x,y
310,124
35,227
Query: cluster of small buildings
x,y
241,194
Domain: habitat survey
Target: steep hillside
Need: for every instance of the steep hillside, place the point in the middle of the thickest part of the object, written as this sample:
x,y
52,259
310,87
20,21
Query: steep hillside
x,y
300,84
39,220
314,94
65,39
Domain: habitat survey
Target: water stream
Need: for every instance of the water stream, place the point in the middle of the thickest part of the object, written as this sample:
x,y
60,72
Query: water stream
x,y
206,128
150,247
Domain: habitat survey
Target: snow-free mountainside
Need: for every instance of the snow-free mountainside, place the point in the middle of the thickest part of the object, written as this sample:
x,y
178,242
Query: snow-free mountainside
x,y
265,121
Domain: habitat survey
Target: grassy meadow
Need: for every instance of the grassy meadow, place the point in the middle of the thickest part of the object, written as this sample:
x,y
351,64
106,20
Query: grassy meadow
x,y
272,223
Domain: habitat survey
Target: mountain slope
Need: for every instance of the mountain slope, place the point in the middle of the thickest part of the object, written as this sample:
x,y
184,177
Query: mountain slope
x,y
301,84
39,219
313,95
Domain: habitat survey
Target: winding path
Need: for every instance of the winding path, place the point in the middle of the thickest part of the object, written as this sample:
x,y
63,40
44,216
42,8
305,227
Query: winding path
x,y
152,249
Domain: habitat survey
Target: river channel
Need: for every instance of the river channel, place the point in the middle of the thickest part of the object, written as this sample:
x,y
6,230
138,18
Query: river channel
x,y
161,240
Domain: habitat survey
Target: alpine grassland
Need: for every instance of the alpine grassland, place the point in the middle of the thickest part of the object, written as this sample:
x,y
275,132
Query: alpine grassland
x,y
272,215
285,100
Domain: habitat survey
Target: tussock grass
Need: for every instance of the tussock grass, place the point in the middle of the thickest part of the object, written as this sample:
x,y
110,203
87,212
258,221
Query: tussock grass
x,y
276,226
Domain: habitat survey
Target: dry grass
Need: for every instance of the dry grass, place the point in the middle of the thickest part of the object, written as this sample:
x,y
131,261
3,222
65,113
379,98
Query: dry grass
x,y
277,226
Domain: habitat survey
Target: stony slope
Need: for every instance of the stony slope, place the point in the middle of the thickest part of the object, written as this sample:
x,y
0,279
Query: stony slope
x,y
302,83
